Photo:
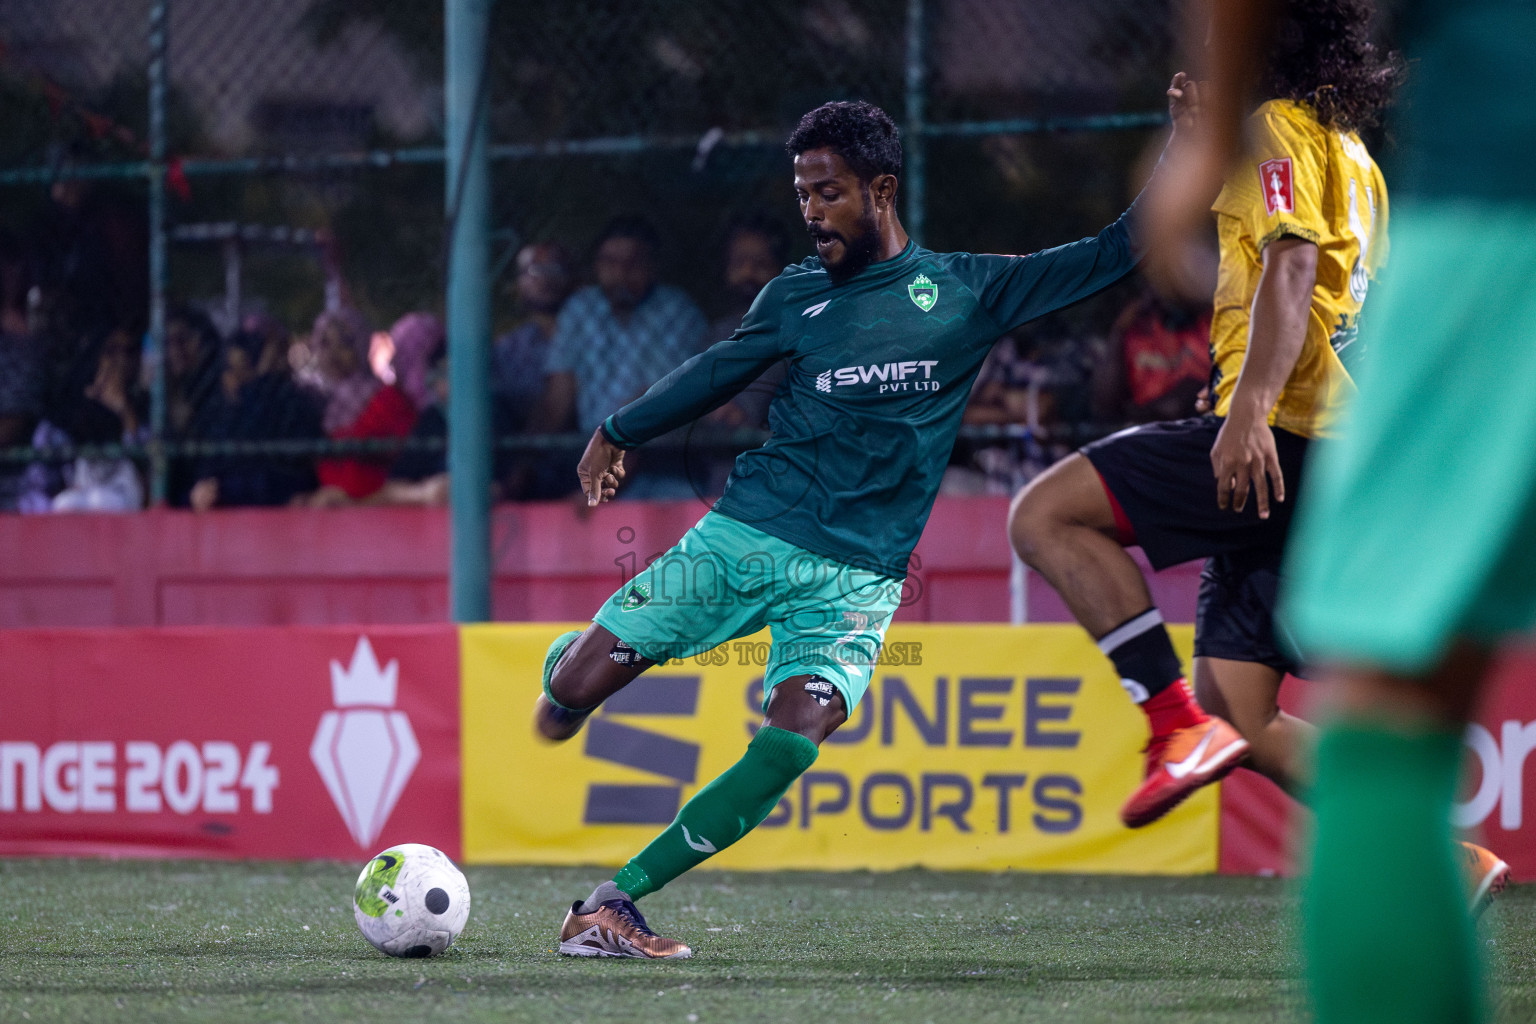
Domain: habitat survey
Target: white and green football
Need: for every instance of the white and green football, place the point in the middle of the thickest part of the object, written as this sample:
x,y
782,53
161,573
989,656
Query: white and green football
x,y
411,901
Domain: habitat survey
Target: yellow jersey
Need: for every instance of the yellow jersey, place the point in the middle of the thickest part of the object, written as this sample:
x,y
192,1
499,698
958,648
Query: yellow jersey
x,y
1301,180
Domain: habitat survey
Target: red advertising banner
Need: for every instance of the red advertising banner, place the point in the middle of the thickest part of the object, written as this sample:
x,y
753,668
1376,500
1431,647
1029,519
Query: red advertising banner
x,y
1496,807
266,743
1258,821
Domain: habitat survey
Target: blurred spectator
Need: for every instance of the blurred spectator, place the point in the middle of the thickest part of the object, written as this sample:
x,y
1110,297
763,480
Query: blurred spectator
x,y
87,258
1160,358
419,476
102,405
418,340
275,342
1038,384
357,405
616,338
543,282
22,389
254,403
192,347
14,285
756,252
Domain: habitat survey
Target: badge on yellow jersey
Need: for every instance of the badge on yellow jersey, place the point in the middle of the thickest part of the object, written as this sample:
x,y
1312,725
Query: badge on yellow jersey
x,y
1275,181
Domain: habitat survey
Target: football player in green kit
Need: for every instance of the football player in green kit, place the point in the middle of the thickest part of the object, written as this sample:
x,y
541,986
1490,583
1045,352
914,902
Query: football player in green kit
x,y
811,538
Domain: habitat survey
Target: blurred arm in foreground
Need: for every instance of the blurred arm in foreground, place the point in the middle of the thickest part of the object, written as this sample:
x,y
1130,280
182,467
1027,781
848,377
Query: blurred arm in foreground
x,y
1176,208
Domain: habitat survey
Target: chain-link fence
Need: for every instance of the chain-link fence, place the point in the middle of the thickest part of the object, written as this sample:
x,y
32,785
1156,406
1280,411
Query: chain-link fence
x,y
261,161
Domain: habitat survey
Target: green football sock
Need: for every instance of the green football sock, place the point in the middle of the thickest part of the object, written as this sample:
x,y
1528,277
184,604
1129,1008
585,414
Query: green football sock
x,y
1387,932
722,812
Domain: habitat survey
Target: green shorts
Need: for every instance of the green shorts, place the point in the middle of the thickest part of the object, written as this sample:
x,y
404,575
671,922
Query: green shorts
x,y
725,580
1419,523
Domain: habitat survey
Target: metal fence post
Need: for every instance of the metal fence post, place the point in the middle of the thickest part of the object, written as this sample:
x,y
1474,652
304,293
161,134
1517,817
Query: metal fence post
x,y
154,340
915,158
468,190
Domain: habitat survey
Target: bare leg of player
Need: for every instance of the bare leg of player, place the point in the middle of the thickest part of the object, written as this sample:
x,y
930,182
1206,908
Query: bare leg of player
x,y
1247,694
580,672
1063,526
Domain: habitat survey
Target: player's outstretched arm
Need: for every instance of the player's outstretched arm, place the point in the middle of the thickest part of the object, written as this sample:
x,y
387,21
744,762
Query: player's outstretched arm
x,y
1017,289
706,381
601,469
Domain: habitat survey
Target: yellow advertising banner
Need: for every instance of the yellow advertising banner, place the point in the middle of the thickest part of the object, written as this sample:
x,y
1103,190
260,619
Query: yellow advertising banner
x,y
977,746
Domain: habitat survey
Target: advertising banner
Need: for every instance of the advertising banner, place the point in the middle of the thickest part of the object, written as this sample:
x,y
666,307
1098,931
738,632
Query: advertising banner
x,y
1260,825
1497,809
267,743
976,747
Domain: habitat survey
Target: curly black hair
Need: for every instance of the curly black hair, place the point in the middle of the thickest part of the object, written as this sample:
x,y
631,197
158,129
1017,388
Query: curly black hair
x,y
861,133
1323,56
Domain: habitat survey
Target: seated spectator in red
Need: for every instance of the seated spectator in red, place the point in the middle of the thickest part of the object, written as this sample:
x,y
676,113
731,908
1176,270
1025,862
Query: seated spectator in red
x,y
254,404
1160,359
419,475
357,406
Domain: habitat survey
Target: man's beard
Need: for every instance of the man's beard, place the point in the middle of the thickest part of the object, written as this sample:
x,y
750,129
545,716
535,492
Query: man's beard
x,y
858,251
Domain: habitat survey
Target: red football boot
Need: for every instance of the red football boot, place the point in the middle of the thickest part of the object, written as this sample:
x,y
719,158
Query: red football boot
x,y
1486,875
1180,763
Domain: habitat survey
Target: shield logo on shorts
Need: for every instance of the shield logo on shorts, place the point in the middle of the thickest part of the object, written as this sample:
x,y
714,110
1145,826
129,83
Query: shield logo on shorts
x,y
923,292
638,597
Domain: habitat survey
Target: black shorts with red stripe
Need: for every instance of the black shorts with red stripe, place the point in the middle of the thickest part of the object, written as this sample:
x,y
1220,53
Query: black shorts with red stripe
x,y
1159,477
1159,481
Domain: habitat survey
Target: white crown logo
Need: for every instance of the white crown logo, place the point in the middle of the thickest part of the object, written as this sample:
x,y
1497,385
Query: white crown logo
x,y
365,751
363,682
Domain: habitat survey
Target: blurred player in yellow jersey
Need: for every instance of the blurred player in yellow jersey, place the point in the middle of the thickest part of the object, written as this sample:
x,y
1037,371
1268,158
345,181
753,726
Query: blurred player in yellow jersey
x,y
1302,224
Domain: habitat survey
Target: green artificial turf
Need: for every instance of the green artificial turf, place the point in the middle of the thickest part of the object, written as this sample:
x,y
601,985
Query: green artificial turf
x,y
154,941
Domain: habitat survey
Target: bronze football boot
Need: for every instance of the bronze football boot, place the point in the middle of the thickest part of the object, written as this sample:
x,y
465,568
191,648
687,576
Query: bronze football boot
x,y
616,928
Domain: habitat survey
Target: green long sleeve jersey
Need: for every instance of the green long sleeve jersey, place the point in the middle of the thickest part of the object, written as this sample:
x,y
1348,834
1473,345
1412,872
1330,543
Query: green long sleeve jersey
x,y
880,368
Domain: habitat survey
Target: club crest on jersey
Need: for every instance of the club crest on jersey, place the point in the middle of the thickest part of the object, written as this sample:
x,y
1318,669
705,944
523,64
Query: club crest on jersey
x,y
1275,181
639,596
924,292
